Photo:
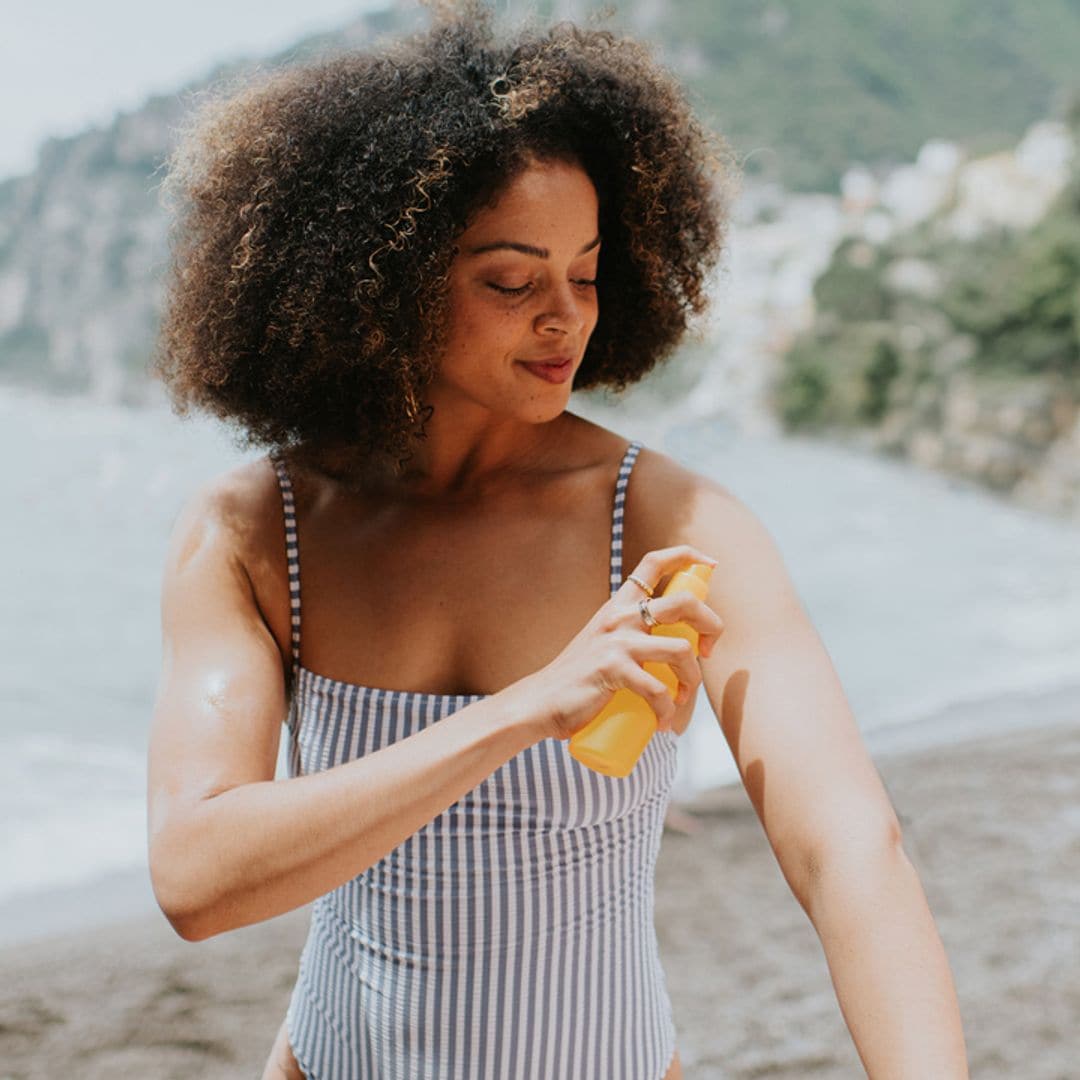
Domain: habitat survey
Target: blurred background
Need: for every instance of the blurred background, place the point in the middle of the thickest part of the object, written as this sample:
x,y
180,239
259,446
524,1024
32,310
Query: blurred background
x,y
889,374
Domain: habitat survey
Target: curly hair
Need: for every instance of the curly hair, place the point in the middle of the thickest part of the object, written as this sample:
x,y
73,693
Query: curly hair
x,y
316,209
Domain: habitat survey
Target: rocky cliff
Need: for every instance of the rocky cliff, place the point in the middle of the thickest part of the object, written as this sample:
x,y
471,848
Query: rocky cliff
x,y
83,240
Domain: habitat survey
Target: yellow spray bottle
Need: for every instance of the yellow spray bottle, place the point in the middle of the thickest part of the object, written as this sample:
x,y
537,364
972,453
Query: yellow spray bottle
x,y
612,741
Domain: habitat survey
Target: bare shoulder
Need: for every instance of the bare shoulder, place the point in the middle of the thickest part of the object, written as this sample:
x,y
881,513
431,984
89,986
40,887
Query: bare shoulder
x,y
239,511
677,505
237,504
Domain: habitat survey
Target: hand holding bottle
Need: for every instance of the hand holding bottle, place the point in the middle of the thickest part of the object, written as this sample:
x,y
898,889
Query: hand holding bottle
x,y
607,654
615,738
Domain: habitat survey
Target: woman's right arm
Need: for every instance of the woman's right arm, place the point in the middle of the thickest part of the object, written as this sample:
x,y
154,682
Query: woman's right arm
x,y
229,845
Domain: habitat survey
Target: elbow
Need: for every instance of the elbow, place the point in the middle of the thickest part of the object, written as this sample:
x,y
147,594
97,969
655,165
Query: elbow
x,y
186,918
177,894
190,924
187,926
190,921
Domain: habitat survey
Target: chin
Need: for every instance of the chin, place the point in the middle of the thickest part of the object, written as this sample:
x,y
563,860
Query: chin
x,y
543,412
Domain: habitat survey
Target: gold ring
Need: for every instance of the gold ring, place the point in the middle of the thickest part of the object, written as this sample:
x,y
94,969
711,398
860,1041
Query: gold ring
x,y
640,584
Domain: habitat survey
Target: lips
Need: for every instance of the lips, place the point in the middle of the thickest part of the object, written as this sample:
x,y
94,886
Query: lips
x,y
551,361
555,369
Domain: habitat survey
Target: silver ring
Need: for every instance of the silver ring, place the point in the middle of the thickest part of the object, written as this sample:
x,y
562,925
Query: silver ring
x,y
640,584
649,619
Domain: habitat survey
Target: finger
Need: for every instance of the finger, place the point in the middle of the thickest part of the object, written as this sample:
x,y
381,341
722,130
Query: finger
x,y
676,652
682,607
656,564
655,693
687,669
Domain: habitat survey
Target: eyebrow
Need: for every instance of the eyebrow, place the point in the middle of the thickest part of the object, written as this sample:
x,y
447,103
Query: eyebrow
x,y
525,249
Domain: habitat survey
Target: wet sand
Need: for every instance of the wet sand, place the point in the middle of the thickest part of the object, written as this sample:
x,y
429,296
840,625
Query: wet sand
x,y
991,823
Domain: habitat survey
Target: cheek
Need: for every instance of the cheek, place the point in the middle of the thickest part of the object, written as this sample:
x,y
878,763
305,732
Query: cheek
x,y
484,319
478,329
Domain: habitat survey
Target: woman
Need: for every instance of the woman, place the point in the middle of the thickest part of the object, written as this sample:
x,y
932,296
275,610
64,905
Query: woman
x,y
391,269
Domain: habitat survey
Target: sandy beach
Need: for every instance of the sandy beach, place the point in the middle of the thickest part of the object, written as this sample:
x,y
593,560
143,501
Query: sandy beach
x,y
991,822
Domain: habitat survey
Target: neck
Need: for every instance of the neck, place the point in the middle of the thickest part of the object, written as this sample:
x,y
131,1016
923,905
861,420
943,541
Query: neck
x,y
458,463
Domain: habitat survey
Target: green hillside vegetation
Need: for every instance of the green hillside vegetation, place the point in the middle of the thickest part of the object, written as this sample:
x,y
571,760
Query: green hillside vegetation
x,y
1006,312
803,88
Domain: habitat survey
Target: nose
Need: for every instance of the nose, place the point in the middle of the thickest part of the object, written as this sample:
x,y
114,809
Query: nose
x,y
563,314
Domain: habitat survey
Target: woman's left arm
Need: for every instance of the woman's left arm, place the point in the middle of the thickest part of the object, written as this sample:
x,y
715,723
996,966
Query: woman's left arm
x,y
821,801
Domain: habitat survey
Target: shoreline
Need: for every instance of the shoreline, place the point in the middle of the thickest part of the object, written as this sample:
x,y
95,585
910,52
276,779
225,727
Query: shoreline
x,y
971,719
96,904
121,896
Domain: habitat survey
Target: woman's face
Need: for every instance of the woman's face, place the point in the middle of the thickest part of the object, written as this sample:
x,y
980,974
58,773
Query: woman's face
x,y
522,290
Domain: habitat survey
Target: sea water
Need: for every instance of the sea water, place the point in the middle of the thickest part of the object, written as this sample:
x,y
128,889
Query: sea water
x,y
925,591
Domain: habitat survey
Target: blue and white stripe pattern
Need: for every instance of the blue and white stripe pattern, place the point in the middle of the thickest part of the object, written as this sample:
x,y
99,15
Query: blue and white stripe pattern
x,y
617,516
511,938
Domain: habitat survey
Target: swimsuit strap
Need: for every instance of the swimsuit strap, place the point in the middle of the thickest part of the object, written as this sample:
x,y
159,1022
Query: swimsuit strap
x,y
292,554
617,519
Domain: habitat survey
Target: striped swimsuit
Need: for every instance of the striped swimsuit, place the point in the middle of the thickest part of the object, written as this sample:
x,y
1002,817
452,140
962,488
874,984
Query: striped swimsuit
x,y
512,937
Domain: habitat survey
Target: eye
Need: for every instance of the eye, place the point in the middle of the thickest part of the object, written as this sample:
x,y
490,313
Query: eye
x,y
509,291
520,290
